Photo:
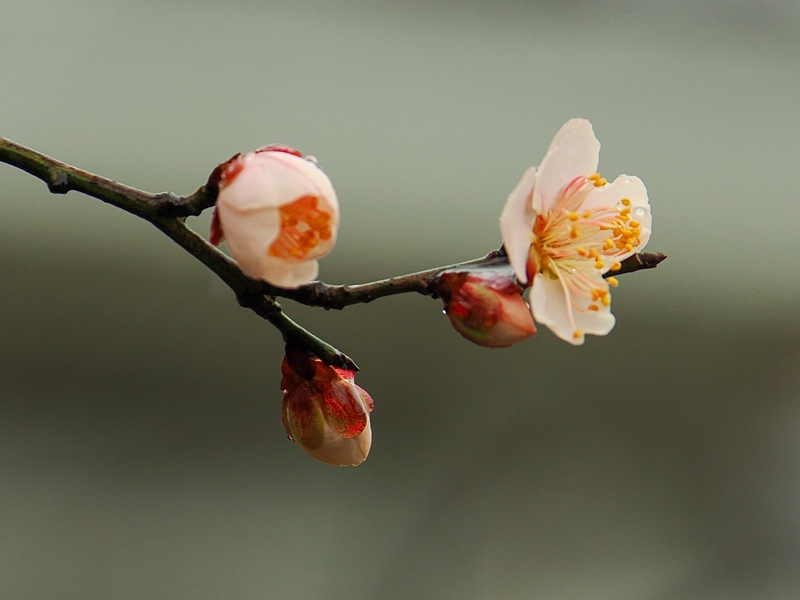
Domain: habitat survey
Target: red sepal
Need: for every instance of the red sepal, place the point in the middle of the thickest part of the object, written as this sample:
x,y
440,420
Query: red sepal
x,y
279,148
217,236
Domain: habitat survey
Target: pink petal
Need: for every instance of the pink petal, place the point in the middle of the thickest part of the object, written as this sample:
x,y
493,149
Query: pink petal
x,y
516,223
552,308
574,151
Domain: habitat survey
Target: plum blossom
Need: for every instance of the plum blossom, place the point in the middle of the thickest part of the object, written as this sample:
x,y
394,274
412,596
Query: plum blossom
x,y
564,227
278,214
324,411
486,306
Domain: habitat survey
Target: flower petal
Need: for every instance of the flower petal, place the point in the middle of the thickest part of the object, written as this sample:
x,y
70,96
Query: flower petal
x,y
611,196
276,178
289,275
516,223
625,186
339,451
574,151
249,235
553,308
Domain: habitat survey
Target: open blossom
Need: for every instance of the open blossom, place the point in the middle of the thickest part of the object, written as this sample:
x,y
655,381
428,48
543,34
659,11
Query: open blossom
x,y
324,411
564,227
486,306
278,213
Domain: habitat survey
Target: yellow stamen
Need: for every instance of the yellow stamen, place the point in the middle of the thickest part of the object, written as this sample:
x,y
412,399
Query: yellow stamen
x,y
594,307
574,232
577,334
600,182
612,281
626,201
303,225
616,265
634,224
599,264
607,300
573,216
587,214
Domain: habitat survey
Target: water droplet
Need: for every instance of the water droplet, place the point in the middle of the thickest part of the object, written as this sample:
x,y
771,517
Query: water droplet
x,y
312,159
640,211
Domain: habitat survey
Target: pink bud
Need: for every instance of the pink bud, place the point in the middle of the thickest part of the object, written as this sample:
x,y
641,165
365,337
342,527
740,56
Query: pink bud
x,y
324,411
486,307
277,212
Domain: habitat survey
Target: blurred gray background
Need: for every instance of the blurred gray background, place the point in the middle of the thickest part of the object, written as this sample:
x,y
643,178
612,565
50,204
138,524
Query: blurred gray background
x,y
141,451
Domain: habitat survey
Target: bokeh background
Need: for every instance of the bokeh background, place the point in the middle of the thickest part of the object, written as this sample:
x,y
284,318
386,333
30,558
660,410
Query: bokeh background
x,y
141,451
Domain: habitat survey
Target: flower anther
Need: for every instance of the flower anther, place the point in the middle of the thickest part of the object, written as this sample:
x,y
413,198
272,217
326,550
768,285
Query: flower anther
x,y
564,226
278,213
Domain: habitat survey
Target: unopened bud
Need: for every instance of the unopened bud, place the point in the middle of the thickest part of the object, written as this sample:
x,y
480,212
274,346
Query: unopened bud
x,y
324,411
486,306
277,212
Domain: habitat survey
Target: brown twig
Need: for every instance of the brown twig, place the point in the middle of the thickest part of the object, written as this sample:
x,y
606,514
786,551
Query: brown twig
x,y
168,212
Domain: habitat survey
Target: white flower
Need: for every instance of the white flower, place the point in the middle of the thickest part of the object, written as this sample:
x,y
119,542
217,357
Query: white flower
x,y
564,226
278,213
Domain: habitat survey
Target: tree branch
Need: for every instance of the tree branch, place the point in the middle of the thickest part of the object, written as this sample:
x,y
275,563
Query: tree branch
x,y
250,292
62,178
168,212
338,297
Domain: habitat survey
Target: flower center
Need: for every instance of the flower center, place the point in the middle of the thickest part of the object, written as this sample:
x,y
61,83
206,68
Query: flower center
x,y
574,245
303,225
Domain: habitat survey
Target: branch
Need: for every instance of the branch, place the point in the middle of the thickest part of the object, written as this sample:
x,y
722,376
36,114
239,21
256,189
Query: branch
x,y
250,292
168,212
338,297
638,262
62,178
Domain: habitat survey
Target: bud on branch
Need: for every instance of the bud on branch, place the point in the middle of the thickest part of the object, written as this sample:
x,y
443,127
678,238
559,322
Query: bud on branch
x,y
567,233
